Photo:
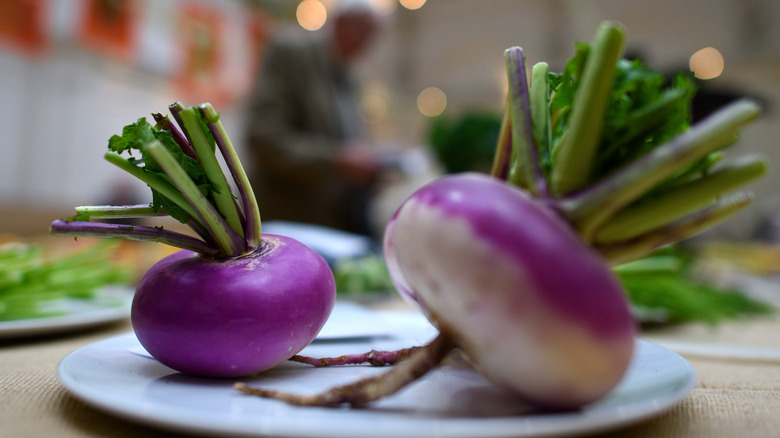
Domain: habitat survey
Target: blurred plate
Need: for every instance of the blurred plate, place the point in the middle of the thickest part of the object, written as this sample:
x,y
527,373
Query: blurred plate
x,y
451,401
330,243
109,305
351,321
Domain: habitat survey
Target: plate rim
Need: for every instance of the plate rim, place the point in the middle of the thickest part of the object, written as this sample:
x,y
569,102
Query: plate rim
x,y
632,414
69,322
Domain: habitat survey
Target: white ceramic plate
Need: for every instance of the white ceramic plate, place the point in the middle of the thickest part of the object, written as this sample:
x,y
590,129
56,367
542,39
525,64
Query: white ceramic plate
x,y
108,306
118,377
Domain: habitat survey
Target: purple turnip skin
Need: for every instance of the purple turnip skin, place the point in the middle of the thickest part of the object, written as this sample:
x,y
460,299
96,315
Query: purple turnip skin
x,y
533,307
233,317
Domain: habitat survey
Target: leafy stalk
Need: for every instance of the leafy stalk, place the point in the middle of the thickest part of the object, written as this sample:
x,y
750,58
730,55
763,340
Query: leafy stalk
x,y
690,225
575,155
230,243
223,197
592,207
246,194
152,180
675,204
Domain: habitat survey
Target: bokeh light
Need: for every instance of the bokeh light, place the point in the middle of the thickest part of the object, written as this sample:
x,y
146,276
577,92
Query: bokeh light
x,y
412,4
311,14
707,63
431,102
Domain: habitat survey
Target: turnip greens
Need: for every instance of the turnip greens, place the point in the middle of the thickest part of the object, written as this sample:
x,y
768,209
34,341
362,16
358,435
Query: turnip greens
x,y
232,302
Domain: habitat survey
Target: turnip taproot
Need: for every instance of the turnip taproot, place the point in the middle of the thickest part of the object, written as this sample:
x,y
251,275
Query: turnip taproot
x,y
232,302
594,167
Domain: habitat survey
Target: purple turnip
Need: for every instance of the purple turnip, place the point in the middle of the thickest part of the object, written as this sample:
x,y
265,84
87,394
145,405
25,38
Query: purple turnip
x,y
232,302
591,171
236,316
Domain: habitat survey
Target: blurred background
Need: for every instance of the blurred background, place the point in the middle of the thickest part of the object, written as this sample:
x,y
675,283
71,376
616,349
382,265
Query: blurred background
x,y
74,72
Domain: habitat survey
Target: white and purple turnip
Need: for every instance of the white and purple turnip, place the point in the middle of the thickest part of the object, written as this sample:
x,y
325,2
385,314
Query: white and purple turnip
x,y
594,167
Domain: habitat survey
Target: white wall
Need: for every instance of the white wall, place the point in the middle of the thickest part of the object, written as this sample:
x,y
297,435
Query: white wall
x,y
56,113
58,108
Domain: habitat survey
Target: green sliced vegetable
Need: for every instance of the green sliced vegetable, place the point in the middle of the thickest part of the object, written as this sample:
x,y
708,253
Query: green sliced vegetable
x,y
32,286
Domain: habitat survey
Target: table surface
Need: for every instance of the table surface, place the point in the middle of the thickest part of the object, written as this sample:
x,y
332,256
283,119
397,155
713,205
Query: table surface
x,y
737,394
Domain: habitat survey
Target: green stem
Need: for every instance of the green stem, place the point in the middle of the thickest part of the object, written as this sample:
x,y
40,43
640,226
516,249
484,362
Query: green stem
x,y
656,264
575,155
223,197
89,212
251,210
229,242
645,244
117,211
590,208
503,148
540,103
153,181
683,200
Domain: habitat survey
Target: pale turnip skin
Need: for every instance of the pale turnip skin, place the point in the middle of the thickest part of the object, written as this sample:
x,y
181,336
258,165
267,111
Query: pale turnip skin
x,y
533,307
233,317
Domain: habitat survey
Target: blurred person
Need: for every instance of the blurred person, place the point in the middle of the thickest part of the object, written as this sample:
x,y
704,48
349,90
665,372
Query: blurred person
x,y
311,160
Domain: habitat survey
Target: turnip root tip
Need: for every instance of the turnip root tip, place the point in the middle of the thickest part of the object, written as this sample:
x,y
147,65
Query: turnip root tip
x,y
360,393
377,358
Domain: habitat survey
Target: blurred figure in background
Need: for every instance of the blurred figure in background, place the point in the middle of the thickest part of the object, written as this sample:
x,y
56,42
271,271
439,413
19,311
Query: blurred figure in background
x,y
312,163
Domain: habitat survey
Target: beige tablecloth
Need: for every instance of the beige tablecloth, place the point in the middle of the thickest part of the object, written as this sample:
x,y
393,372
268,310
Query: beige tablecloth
x,y
738,393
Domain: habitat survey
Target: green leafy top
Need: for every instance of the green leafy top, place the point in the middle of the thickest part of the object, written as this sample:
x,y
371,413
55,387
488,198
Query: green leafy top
x,y
644,110
187,182
136,137
608,143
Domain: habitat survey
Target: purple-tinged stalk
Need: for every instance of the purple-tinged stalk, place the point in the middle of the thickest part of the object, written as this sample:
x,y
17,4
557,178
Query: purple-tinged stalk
x,y
503,155
165,124
232,302
514,268
526,172
132,232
